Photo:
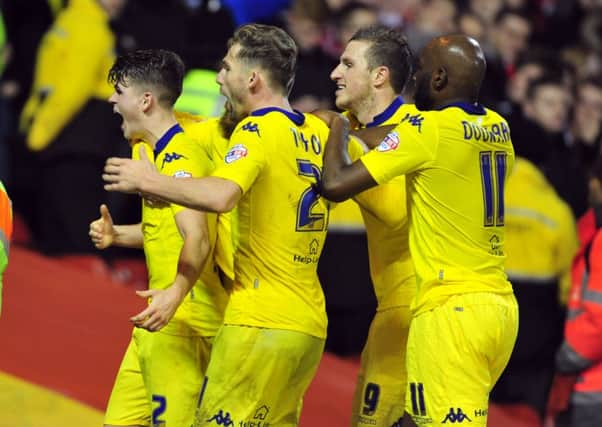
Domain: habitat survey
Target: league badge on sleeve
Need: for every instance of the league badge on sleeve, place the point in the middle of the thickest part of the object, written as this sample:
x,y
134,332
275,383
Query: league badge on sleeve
x,y
391,142
182,174
236,153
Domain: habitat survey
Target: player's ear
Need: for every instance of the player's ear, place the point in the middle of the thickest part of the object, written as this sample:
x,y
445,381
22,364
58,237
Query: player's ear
x,y
253,80
146,101
380,75
439,79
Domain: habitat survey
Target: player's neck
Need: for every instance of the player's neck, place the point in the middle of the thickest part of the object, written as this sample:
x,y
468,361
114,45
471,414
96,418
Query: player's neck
x,y
266,100
157,125
375,106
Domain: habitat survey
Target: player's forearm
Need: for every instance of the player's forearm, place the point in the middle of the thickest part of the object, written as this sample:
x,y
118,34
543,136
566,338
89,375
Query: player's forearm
x,y
128,236
193,257
203,194
335,160
372,137
342,179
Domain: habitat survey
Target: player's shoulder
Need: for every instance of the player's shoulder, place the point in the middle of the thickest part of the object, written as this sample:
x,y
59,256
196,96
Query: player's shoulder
x,y
269,121
315,122
255,126
406,108
186,119
495,117
413,120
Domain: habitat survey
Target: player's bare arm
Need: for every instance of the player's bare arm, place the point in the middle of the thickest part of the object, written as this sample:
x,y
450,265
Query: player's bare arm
x,y
192,226
210,194
342,179
373,136
104,233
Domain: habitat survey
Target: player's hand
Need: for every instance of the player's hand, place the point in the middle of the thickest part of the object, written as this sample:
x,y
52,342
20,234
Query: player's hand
x,y
164,303
102,231
127,175
326,116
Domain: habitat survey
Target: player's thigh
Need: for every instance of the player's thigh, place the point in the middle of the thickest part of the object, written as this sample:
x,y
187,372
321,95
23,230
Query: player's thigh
x,y
455,354
258,375
173,368
379,398
128,404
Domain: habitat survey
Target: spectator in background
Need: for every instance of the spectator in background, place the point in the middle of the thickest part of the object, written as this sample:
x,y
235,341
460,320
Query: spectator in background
x,y
581,351
311,89
541,138
6,230
508,38
67,123
208,25
472,25
586,129
541,241
353,16
25,23
487,10
433,18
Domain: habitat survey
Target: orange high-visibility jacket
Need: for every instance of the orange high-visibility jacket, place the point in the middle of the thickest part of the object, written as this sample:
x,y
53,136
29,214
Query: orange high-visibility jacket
x,y
581,351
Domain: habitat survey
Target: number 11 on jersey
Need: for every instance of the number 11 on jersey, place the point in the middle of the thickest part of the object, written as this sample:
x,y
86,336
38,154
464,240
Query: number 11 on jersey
x,y
493,175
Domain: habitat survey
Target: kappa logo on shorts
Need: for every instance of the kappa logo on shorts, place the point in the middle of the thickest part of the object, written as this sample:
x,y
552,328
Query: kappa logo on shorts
x,y
456,416
391,142
236,153
221,419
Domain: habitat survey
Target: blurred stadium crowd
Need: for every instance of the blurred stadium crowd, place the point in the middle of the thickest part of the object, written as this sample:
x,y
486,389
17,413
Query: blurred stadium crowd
x,y
544,75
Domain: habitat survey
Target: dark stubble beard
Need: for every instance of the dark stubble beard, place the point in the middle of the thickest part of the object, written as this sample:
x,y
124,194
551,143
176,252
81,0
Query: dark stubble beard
x,y
229,120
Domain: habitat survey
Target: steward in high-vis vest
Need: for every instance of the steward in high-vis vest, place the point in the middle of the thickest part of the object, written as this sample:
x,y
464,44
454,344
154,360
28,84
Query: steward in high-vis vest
x,y
6,231
581,351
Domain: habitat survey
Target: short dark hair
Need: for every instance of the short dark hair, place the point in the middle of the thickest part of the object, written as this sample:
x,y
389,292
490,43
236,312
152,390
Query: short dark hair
x,y
388,48
548,79
161,69
272,49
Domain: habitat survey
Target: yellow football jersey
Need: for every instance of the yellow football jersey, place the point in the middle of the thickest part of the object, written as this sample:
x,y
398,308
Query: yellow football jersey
x,y
456,161
391,267
202,311
207,133
275,156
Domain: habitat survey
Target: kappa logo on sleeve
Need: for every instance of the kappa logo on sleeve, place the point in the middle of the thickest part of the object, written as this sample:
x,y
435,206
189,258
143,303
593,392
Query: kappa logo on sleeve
x,y
236,153
172,157
415,120
391,142
182,174
251,127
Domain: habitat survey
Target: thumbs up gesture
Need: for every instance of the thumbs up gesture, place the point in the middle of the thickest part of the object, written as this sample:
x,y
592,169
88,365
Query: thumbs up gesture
x,y
102,231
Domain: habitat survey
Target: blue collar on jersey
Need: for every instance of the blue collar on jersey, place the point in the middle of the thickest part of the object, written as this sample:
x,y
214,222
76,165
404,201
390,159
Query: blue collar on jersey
x,y
167,136
469,108
379,119
296,117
